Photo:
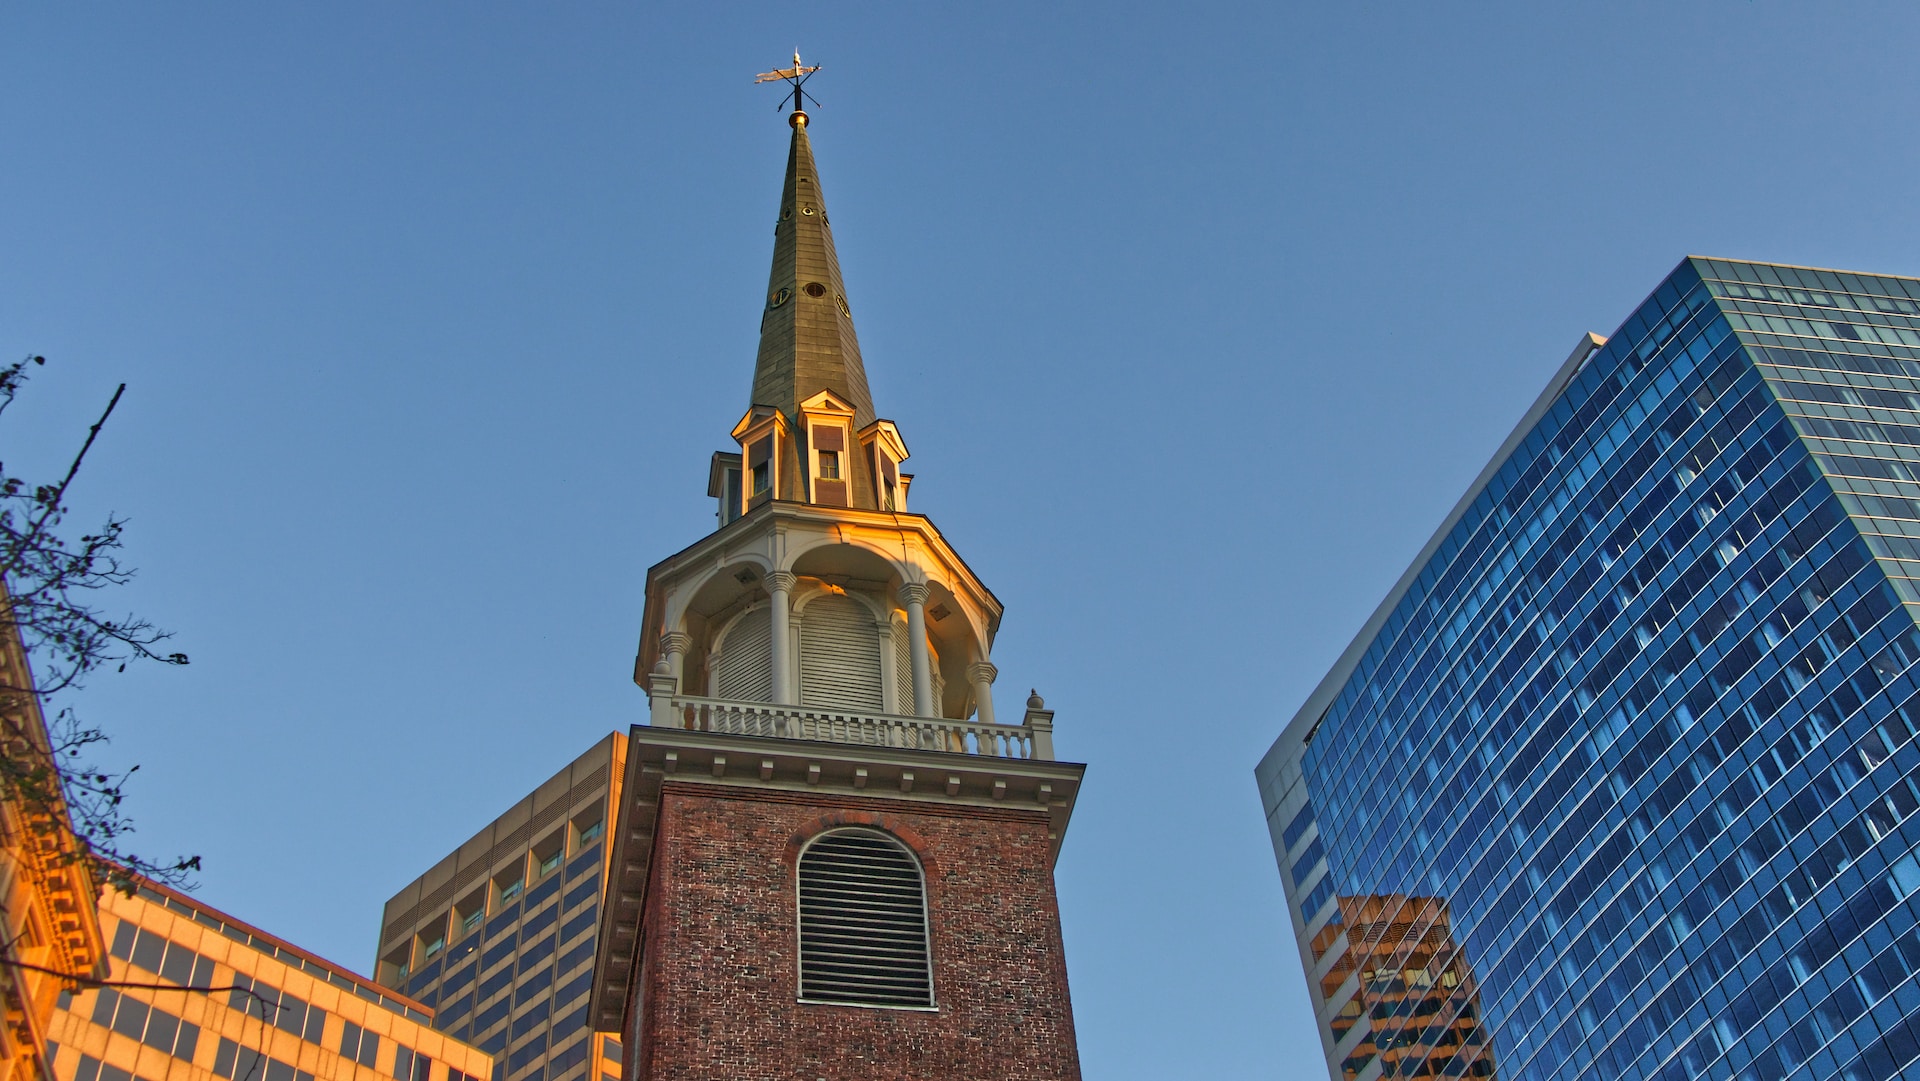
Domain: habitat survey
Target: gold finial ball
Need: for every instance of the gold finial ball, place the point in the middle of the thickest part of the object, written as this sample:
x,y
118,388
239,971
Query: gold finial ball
x,y
797,120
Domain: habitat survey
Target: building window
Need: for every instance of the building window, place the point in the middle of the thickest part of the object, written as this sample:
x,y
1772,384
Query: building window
x,y
358,1045
508,887
410,1065
829,465
552,862
863,922
762,477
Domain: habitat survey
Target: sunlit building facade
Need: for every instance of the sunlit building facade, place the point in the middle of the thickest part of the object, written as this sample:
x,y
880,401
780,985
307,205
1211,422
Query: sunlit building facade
x,y
498,937
1637,726
196,995
49,921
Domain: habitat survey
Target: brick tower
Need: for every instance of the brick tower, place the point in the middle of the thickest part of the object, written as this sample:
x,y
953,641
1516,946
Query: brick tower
x,y
830,861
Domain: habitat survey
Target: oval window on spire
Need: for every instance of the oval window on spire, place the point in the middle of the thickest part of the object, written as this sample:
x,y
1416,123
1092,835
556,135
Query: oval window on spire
x,y
808,211
816,290
779,296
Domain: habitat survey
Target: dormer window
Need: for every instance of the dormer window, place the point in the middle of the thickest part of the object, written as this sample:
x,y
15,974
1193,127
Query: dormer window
x,y
724,483
882,451
829,445
765,446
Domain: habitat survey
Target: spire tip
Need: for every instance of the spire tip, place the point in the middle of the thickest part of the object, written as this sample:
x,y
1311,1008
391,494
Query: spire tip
x,y
796,77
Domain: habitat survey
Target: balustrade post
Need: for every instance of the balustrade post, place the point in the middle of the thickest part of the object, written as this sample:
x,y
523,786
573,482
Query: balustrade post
x,y
661,686
1040,723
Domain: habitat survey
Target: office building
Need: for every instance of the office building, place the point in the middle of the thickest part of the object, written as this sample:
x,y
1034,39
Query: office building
x,y
498,937
831,862
195,994
1634,734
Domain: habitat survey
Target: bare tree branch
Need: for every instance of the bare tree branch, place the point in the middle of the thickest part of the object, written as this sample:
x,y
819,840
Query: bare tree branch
x,y
47,607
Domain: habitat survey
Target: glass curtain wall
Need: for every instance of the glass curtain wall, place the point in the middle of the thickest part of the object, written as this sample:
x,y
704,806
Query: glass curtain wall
x,y
1639,737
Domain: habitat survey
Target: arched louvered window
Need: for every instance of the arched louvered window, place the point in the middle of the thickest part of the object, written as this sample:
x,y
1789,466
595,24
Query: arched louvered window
x,y
863,922
745,672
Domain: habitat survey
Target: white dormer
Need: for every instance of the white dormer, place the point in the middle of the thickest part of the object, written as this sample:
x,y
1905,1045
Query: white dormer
x,y
764,438
884,450
826,429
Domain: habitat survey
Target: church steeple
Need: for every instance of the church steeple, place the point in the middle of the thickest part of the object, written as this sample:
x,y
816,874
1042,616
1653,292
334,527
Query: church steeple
x,y
820,739
807,343
810,434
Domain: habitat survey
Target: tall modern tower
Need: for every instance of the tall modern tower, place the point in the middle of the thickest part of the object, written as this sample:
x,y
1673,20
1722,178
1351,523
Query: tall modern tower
x,y
1620,780
497,937
830,862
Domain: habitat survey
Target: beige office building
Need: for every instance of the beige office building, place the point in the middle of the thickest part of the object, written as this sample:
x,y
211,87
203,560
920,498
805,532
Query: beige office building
x,y
294,1017
498,937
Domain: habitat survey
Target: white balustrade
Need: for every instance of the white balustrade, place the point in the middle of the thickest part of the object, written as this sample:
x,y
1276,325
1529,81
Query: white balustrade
x,y
838,726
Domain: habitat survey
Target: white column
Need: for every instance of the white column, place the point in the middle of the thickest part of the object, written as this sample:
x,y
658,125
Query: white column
x,y
982,674
780,587
675,645
914,596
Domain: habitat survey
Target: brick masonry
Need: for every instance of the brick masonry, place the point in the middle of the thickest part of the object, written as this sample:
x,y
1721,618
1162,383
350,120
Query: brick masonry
x,y
719,972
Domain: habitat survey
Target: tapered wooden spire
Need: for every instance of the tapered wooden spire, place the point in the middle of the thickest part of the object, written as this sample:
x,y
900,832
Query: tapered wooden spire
x,y
807,343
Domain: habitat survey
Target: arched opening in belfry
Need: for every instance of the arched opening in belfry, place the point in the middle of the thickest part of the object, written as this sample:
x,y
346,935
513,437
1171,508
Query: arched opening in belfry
x,y
846,634
743,664
840,656
722,639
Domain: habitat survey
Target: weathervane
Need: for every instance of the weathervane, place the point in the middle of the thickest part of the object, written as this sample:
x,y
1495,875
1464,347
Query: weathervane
x,y
796,77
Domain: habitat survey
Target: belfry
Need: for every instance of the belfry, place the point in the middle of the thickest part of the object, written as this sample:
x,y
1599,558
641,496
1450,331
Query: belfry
x,y
831,861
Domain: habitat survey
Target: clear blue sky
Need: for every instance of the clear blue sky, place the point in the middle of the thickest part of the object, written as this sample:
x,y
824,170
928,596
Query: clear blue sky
x,y
1197,320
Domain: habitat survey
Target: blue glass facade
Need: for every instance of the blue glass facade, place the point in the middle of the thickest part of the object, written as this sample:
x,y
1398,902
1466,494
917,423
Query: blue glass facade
x,y
1641,721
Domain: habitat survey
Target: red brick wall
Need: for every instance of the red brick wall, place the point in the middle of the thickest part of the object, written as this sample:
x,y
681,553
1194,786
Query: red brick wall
x,y
719,978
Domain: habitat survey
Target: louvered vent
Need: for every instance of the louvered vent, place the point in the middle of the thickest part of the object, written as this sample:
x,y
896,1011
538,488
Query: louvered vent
x,y
746,659
903,668
840,656
863,922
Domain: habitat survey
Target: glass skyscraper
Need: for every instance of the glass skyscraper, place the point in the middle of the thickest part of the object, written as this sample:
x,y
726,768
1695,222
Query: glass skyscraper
x,y
1621,779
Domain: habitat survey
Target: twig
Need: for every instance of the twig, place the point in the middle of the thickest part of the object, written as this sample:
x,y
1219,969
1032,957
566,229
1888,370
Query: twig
x,y
137,985
52,505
